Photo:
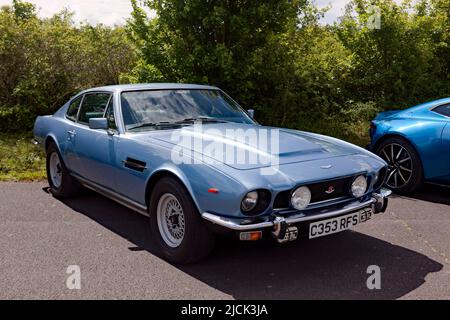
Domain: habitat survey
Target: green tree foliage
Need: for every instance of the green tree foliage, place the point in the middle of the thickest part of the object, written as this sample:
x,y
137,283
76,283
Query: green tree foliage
x,y
224,43
396,64
275,56
23,10
45,61
439,12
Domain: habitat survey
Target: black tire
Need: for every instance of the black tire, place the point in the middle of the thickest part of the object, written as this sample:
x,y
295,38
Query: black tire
x,y
415,178
69,186
197,241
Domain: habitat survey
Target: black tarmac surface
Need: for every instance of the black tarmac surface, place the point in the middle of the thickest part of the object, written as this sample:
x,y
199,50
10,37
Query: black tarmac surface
x,y
41,236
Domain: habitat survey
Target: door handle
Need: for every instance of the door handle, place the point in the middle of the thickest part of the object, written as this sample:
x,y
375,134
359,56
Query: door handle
x,y
71,134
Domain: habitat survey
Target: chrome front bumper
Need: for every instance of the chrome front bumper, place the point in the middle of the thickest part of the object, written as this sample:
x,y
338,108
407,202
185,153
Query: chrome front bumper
x,y
377,203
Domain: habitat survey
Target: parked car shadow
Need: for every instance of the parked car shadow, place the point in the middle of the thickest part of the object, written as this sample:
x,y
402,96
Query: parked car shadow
x,y
432,193
333,267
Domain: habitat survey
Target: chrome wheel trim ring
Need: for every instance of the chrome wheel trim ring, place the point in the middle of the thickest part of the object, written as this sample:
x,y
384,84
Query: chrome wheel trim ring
x,y
55,170
170,218
400,165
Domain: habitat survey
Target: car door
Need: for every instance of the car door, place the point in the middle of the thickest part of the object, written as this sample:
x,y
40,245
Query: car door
x,y
94,149
446,151
67,146
444,110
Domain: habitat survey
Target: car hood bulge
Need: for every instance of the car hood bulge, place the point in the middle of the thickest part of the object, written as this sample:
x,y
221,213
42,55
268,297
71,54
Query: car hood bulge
x,y
243,146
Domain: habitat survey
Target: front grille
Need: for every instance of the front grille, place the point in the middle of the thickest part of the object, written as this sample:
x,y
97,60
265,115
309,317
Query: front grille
x,y
282,200
332,189
320,191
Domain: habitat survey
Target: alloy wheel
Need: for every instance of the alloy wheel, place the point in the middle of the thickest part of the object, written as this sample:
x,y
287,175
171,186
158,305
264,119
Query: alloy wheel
x,y
55,170
400,165
170,218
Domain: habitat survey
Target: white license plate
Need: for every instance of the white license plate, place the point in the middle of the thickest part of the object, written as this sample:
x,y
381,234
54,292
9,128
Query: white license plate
x,y
330,226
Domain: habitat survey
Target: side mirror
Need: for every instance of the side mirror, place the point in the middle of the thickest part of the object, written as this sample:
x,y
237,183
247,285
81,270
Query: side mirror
x,y
98,123
251,113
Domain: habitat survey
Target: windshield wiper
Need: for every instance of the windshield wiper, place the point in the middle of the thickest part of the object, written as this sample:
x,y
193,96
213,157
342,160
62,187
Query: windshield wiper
x,y
201,119
153,124
166,124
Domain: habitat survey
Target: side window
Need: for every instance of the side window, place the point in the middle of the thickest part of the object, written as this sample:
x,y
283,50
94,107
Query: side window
x,y
93,106
73,109
110,115
444,110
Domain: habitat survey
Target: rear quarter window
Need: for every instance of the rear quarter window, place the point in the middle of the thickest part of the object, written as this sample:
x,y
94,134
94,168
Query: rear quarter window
x,y
444,110
73,109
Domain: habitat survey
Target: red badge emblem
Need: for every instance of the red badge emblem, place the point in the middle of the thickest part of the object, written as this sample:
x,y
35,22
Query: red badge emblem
x,y
330,190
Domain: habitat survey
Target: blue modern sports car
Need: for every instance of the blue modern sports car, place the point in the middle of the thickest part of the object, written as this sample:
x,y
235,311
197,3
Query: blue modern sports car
x,y
197,164
415,143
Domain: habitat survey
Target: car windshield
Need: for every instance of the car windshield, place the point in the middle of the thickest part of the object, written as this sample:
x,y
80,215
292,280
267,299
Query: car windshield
x,y
161,108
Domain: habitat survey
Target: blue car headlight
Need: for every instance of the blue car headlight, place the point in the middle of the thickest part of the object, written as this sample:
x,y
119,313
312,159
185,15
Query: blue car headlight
x,y
249,201
255,202
359,186
301,197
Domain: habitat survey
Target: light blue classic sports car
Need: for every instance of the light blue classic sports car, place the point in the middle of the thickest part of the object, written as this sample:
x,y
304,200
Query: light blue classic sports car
x,y
197,164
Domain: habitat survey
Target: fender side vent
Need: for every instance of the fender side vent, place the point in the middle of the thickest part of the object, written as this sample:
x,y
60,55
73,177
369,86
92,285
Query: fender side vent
x,y
134,164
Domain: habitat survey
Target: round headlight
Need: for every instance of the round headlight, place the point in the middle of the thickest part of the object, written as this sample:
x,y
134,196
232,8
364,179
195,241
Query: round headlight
x,y
359,186
300,198
249,202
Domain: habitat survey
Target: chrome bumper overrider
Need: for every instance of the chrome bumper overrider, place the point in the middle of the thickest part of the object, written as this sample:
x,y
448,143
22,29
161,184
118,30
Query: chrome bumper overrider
x,y
377,203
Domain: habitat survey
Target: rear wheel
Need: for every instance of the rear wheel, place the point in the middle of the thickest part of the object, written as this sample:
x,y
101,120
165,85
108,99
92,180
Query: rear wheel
x,y
176,224
405,173
62,184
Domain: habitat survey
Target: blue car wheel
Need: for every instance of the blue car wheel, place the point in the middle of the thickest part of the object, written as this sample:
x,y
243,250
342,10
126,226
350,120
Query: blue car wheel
x,y
176,225
170,218
62,184
405,173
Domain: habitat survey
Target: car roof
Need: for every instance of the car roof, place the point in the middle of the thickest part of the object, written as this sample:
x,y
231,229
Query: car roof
x,y
151,86
428,105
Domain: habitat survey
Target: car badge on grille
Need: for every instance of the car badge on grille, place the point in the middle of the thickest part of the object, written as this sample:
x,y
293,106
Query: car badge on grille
x,y
326,167
330,190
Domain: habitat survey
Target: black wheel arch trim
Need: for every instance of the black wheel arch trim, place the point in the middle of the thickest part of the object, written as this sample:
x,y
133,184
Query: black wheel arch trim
x,y
395,135
402,137
158,175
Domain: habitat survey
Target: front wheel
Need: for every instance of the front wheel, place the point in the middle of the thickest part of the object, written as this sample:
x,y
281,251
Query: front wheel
x,y
405,173
62,184
176,224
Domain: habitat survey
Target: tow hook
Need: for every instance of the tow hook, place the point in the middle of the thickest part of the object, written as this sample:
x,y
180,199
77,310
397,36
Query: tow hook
x,y
282,232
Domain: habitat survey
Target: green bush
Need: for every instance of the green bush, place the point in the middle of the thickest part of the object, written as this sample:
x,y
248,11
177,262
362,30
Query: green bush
x,y
276,57
43,62
273,56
